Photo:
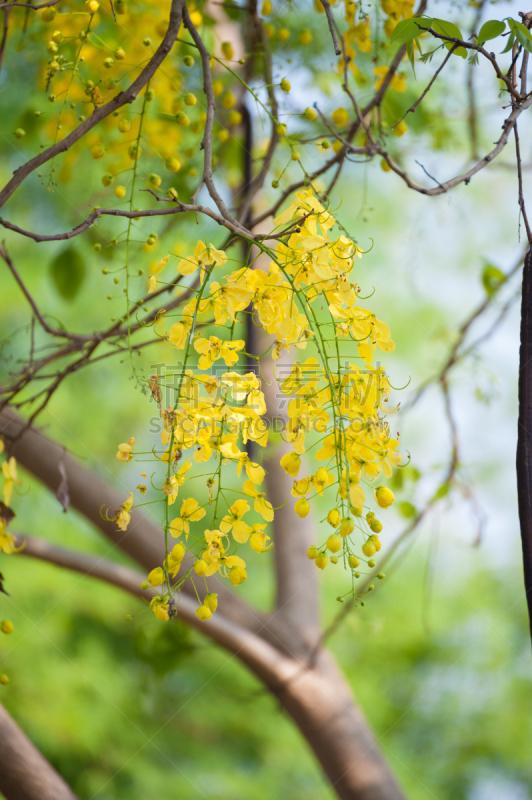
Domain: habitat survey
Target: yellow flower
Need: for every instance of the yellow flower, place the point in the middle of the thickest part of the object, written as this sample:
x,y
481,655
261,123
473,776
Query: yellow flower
x,y
9,469
213,348
237,575
291,463
322,479
190,512
254,471
259,539
171,489
397,83
124,516
156,577
159,606
125,450
232,521
261,505
178,335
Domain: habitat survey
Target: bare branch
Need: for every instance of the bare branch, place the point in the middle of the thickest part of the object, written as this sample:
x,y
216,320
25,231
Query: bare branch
x,y
330,21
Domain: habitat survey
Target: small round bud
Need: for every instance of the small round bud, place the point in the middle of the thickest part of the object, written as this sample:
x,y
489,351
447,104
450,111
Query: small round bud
x,y
4,680
203,613
281,129
340,117
305,37
286,85
182,119
223,135
370,587
154,180
173,164
144,585
227,50
120,192
275,184
20,133
234,118
105,271
7,626
310,113
119,54
124,125
296,156
188,61
312,552
371,563
334,543
48,14
284,34
228,100
146,42
381,576
96,247
128,618
190,99
98,151
108,62
107,179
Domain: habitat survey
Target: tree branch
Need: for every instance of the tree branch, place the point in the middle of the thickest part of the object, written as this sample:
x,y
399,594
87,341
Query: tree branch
x,y
20,174
25,774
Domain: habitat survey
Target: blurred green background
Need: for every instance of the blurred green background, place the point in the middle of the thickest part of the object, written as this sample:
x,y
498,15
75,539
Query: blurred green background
x,y
439,658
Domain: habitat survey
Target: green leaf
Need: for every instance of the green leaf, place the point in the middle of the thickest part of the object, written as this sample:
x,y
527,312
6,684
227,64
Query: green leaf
x,y
410,53
492,279
490,30
510,44
407,510
522,34
450,29
442,491
68,272
408,29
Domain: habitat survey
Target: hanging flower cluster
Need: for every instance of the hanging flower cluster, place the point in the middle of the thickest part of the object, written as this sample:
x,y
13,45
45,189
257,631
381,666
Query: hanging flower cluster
x,y
340,441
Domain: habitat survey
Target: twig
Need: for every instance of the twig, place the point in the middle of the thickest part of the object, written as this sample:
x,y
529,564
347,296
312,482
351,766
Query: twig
x,y
429,86
330,21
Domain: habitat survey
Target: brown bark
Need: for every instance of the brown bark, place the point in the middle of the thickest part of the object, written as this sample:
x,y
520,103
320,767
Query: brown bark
x,y
24,773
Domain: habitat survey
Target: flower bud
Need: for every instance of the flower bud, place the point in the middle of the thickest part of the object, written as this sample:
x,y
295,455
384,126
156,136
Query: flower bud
x,y
384,496
334,543
347,527
203,613
302,507
7,627
211,601
333,517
